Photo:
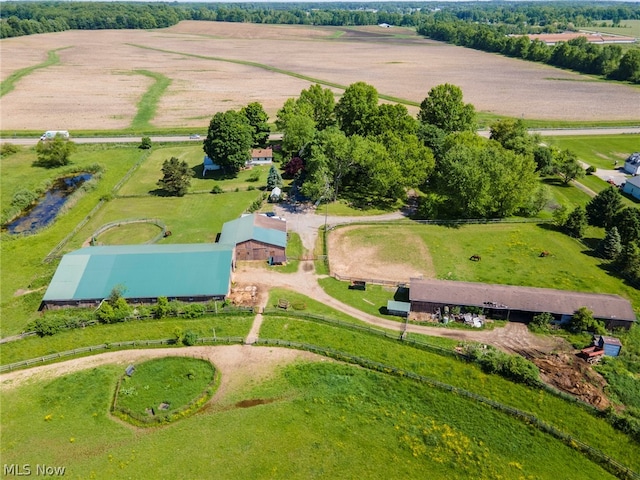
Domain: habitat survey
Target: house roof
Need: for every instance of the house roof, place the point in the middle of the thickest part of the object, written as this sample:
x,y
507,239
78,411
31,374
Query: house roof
x,y
634,159
635,181
261,152
145,271
269,230
527,299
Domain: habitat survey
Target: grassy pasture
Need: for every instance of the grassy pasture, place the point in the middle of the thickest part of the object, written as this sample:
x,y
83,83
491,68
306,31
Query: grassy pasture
x,y
560,413
627,28
322,420
174,381
131,233
510,255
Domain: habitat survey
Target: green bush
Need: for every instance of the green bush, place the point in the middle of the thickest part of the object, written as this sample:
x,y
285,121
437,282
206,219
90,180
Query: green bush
x,y
513,367
194,310
254,177
540,322
217,189
190,338
145,143
7,149
23,198
160,309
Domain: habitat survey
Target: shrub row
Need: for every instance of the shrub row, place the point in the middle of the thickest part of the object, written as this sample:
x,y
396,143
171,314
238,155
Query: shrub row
x,y
118,311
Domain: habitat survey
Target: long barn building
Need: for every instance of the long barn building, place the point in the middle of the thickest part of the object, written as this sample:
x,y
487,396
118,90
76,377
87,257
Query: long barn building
x,y
517,303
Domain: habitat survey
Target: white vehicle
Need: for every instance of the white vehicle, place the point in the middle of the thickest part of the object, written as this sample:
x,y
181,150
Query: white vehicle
x,y
51,134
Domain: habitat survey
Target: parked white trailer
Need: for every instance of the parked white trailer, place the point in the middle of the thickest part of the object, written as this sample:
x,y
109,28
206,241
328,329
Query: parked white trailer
x,y
51,134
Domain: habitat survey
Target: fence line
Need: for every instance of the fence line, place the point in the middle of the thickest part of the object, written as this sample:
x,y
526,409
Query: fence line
x,y
596,455
112,346
155,221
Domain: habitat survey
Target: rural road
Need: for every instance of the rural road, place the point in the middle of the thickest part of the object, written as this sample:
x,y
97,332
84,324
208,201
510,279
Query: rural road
x,y
185,138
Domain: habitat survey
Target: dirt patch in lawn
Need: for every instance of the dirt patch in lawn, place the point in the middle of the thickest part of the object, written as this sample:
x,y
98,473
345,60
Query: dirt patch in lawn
x,y
370,257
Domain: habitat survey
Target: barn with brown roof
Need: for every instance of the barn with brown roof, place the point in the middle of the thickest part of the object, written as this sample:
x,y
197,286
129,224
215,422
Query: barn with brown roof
x,y
517,303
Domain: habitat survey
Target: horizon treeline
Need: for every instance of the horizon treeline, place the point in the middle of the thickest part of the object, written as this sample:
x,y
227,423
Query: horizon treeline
x,y
28,18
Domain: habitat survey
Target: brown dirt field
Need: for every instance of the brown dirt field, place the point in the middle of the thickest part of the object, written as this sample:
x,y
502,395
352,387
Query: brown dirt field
x,y
349,258
95,86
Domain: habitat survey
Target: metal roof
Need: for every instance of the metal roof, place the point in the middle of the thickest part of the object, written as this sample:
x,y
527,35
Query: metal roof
x,y
527,299
144,271
394,305
261,228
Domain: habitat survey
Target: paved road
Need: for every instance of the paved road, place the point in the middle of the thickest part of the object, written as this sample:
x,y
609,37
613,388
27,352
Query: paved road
x,y
185,138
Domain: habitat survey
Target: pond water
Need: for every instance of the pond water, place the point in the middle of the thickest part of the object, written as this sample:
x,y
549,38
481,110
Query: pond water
x,y
46,209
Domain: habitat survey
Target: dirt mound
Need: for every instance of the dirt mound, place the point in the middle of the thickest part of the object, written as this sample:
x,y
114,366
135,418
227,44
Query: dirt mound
x,y
572,375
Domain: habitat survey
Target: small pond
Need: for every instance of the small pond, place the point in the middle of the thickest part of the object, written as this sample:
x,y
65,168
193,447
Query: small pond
x,y
46,209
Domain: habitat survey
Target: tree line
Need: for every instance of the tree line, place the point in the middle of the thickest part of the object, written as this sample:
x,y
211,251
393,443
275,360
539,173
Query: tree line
x,y
576,54
28,18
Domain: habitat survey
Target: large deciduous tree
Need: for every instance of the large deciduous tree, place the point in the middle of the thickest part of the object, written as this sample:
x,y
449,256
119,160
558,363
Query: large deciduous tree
x,y
176,177
229,140
482,179
566,165
444,108
259,121
602,209
55,152
357,109
322,103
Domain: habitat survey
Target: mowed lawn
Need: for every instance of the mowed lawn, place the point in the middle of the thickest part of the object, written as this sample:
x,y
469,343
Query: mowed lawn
x,y
600,151
510,255
144,180
310,420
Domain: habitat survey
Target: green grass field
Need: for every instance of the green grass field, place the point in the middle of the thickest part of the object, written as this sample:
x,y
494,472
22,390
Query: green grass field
x,y
599,151
127,234
317,421
172,381
510,255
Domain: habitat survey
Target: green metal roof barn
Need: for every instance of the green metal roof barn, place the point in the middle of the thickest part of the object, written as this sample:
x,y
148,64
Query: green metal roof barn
x,y
145,272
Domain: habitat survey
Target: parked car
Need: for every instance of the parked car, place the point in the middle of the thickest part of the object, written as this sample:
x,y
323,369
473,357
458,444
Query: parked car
x,y
194,136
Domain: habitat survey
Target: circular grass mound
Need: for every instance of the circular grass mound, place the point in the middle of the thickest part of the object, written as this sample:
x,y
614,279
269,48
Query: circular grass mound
x,y
131,231
164,390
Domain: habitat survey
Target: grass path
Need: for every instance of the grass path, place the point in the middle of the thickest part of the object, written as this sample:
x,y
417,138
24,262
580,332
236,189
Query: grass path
x,y
10,83
148,104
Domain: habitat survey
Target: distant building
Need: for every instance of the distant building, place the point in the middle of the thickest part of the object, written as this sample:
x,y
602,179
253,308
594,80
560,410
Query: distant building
x,y
632,187
261,156
209,164
596,38
632,164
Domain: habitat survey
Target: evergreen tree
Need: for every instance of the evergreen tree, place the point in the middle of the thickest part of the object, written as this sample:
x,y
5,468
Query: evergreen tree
x,y
610,246
602,209
176,178
274,179
576,222
628,223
